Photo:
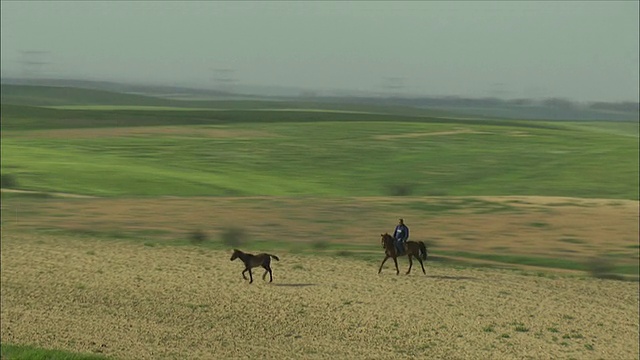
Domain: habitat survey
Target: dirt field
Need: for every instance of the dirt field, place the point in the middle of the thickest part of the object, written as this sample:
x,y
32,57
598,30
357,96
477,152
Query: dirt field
x,y
534,226
139,299
133,301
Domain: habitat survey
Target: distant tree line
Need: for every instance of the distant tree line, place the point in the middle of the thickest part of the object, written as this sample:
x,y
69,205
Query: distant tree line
x,y
556,103
628,106
487,102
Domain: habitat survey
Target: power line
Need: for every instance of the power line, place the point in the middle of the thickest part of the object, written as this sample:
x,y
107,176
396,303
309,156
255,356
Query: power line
x,y
32,62
393,85
224,79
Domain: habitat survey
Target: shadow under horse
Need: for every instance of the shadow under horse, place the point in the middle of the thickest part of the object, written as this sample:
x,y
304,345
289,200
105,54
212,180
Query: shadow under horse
x,y
415,249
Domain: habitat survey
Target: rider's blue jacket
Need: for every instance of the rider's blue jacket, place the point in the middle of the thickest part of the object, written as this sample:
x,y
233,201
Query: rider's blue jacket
x,y
401,232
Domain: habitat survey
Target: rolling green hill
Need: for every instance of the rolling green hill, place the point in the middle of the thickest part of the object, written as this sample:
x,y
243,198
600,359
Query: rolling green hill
x,y
88,99
143,150
336,158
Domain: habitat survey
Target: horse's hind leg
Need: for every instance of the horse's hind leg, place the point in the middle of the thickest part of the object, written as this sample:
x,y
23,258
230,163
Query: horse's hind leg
x,y
421,264
267,271
410,264
383,261
395,260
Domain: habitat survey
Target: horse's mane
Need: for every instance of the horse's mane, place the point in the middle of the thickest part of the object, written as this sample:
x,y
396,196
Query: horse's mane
x,y
386,236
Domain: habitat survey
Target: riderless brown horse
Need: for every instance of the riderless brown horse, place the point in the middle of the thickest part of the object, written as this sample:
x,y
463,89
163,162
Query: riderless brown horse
x,y
250,261
415,249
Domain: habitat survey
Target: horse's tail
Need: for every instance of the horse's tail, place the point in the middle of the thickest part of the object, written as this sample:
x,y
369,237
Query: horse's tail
x,y
423,250
275,257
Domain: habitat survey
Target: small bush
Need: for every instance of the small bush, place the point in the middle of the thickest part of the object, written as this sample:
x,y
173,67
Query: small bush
x,y
400,189
539,224
522,328
488,328
233,237
8,181
320,244
602,268
344,253
198,237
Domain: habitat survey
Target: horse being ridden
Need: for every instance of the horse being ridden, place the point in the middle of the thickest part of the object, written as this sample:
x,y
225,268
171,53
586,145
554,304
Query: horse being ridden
x,y
250,261
415,249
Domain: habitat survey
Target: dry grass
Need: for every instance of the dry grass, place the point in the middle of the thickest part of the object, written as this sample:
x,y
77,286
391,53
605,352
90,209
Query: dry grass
x,y
444,133
219,131
576,229
136,302
433,133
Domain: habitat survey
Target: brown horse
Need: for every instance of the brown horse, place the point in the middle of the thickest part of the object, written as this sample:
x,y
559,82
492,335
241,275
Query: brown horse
x,y
415,249
250,261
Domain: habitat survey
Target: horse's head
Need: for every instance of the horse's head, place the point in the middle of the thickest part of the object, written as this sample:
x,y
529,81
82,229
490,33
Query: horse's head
x,y
235,254
386,239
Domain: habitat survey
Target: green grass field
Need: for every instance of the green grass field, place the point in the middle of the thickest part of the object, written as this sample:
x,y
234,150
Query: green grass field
x,y
86,99
330,158
24,352
272,151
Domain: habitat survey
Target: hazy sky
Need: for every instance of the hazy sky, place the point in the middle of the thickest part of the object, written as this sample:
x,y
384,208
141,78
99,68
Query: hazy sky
x,y
579,50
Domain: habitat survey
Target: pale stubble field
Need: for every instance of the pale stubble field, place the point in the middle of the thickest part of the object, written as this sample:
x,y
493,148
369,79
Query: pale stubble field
x,y
131,301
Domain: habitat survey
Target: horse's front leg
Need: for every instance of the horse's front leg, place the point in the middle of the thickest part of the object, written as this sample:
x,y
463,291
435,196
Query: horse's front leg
x,y
410,264
383,261
250,276
395,260
243,275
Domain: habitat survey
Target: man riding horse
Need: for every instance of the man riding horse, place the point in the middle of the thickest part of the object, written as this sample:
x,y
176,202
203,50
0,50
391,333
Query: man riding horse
x,y
401,234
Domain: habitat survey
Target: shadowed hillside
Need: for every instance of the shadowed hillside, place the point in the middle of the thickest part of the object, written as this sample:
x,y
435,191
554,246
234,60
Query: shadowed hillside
x,y
52,92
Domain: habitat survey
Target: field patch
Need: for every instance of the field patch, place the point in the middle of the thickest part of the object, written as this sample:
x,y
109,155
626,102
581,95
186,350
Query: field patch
x,y
435,133
145,131
127,300
340,159
536,229
293,153
18,352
